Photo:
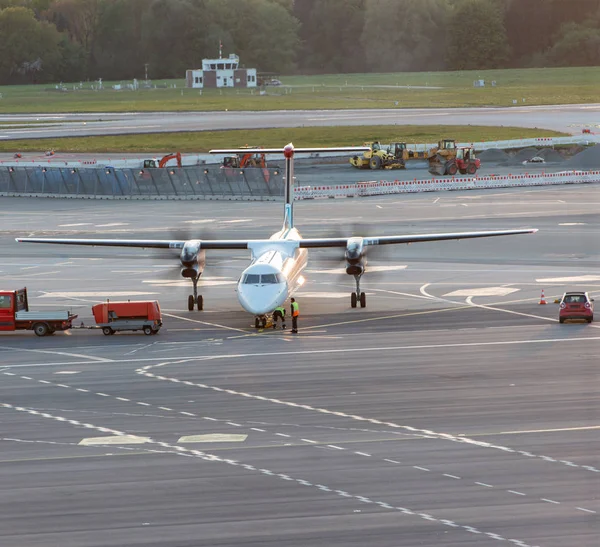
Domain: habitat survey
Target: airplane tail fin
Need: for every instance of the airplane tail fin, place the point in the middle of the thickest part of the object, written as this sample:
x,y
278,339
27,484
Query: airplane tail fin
x,y
288,152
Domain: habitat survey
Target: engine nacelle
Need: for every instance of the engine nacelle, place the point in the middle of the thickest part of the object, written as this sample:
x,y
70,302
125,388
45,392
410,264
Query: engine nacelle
x,y
192,259
355,256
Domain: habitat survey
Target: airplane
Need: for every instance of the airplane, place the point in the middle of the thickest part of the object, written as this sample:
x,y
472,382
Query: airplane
x,y
275,270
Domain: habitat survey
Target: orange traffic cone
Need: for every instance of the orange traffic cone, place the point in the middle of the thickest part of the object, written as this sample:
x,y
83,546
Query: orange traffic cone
x,y
543,298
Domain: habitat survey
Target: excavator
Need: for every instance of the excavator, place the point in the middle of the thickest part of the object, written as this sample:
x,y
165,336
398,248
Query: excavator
x,y
155,163
249,160
245,160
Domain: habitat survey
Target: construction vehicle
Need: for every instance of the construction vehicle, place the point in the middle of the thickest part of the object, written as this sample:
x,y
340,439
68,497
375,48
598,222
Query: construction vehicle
x,y
155,163
249,160
447,159
15,315
245,160
113,317
393,156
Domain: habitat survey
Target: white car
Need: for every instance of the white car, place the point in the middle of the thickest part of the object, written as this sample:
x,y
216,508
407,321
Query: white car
x,y
535,159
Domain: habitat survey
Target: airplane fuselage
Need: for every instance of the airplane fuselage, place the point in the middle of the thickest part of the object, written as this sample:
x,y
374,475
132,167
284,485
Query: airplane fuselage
x,y
274,274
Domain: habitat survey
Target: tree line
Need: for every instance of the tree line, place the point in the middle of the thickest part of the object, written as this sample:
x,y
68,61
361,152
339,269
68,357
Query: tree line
x,y
73,40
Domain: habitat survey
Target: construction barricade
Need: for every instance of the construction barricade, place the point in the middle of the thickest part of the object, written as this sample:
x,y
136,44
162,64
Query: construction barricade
x,y
377,188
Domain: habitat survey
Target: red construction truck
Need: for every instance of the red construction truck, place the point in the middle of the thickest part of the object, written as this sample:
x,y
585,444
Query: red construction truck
x,y
112,317
15,315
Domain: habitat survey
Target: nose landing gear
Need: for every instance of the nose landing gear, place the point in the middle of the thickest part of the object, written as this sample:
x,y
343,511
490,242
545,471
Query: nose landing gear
x,y
358,296
195,299
260,322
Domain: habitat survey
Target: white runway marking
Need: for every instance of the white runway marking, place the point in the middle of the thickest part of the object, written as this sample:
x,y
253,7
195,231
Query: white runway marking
x,y
76,224
212,438
234,438
443,436
483,291
112,224
236,221
204,323
64,353
179,450
325,294
204,282
574,279
494,308
200,221
117,439
99,294
337,271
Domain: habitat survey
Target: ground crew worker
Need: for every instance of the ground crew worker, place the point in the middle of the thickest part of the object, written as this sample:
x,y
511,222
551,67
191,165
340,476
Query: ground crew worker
x,y
279,313
295,314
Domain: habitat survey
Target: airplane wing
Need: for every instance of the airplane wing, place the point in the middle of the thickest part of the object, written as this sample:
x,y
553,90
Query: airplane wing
x,y
417,238
140,243
245,244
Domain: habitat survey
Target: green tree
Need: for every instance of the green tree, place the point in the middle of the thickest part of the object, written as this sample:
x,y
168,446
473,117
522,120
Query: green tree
x,y
532,25
172,37
79,19
478,37
577,45
118,48
29,49
405,35
334,47
262,32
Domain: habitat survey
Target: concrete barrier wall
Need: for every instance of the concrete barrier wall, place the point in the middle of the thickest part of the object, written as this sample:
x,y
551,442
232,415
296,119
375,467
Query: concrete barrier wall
x,y
196,182
376,188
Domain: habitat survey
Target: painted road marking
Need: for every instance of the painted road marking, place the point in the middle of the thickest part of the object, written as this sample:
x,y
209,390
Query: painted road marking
x,y
96,294
575,279
212,438
114,439
443,436
483,291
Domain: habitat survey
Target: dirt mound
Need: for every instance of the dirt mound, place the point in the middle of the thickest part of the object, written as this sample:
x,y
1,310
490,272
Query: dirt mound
x,y
551,155
588,159
493,155
524,155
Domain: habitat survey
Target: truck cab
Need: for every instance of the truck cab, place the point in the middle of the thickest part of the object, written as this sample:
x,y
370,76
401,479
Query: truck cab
x,y
11,302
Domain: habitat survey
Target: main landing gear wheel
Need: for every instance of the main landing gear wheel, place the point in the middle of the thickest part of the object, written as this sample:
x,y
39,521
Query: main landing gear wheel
x,y
358,296
200,303
191,302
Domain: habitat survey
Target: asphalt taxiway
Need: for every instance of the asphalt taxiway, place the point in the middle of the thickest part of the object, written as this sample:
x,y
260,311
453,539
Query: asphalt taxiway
x,y
566,118
454,410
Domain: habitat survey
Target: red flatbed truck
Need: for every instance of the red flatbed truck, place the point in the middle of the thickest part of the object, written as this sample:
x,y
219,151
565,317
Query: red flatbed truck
x,y
15,315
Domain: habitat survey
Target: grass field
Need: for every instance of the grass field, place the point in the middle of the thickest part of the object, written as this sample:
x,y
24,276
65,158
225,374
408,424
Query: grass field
x,y
536,86
302,136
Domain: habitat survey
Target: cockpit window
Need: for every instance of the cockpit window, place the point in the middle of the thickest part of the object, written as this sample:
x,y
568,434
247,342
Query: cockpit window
x,y
264,279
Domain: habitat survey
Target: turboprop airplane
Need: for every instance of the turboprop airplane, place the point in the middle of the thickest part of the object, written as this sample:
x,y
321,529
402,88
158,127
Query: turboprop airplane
x,y
275,270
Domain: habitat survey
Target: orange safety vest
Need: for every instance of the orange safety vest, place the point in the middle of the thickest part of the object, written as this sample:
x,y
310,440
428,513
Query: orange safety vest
x,y
295,309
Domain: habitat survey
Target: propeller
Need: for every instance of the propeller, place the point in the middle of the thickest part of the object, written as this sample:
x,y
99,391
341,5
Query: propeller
x,y
336,259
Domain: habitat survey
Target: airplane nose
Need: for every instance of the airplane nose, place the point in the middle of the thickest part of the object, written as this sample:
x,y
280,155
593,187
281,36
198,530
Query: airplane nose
x,y
261,299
